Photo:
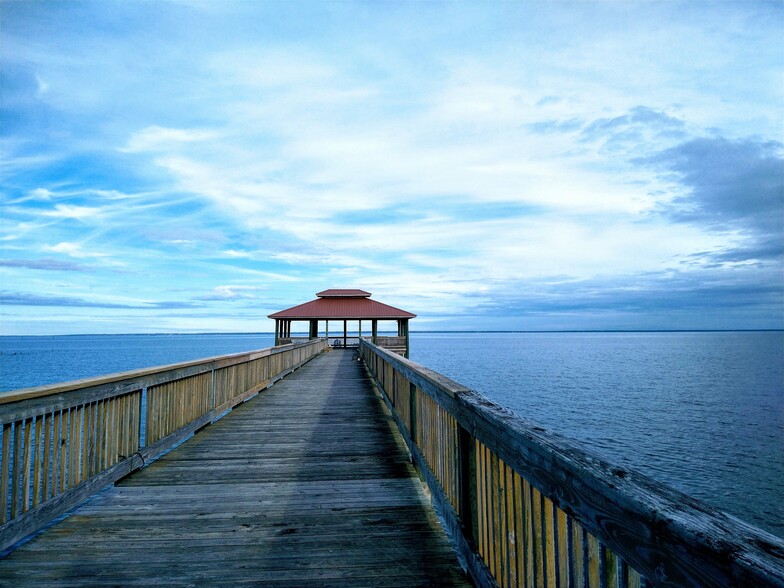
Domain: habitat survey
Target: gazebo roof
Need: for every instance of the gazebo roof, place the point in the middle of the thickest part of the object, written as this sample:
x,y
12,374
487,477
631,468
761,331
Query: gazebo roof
x,y
342,304
336,293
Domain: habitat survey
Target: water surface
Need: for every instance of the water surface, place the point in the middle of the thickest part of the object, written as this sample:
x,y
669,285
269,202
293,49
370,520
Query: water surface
x,y
702,412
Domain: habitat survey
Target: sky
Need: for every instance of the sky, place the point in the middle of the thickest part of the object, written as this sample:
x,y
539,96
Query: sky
x,y
192,166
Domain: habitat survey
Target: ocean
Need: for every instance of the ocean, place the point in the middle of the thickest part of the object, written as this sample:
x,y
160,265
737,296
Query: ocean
x,y
700,411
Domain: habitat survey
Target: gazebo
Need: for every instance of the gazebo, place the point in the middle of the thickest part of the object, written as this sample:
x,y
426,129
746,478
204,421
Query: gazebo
x,y
345,305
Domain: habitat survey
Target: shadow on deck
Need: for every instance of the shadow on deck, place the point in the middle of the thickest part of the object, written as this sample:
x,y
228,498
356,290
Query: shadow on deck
x,y
306,484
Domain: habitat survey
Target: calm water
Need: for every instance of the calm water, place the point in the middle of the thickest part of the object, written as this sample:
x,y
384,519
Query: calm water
x,y
702,412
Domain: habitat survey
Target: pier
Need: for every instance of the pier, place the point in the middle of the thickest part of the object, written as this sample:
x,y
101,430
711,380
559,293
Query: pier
x,y
303,485
305,465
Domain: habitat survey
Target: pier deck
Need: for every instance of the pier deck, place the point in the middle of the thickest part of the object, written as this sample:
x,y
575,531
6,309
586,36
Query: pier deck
x,y
305,484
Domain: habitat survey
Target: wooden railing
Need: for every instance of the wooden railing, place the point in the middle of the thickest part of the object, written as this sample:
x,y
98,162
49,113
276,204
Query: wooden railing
x,y
528,508
293,340
62,443
388,341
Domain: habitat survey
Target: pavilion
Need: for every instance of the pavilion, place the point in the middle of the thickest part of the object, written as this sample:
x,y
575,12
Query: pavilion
x,y
345,305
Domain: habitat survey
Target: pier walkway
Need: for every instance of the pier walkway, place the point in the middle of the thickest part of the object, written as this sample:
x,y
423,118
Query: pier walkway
x,y
304,485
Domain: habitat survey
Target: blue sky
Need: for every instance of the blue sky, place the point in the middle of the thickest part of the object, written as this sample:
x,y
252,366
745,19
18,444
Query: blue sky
x,y
194,166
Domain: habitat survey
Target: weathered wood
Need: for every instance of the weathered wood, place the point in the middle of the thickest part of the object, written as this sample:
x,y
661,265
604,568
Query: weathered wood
x,y
4,482
477,569
21,527
26,465
671,538
94,428
37,466
17,476
304,484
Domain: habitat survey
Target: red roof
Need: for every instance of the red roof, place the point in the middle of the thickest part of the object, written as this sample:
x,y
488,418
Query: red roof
x,y
343,294
342,304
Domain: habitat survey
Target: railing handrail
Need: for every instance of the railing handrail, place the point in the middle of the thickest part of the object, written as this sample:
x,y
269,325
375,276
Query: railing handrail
x,y
139,374
662,533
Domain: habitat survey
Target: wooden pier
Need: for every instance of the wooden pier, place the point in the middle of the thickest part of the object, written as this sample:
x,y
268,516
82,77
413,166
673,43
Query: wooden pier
x,y
205,473
303,485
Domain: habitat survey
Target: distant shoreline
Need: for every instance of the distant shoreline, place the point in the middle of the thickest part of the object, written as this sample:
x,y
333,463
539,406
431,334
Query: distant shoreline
x,y
304,334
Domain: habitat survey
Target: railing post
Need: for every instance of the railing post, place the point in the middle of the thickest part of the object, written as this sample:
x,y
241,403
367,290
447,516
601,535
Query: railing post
x,y
212,387
412,411
143,415
468,507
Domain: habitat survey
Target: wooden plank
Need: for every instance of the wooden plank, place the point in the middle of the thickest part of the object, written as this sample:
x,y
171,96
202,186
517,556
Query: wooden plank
x,y
520,530
550,541
27,465
56,467
6,472
20,527
564,545
17,472
539,540
511,531
87,440
578,561
38,455
100,433
74,447
495,520
481,480
530,539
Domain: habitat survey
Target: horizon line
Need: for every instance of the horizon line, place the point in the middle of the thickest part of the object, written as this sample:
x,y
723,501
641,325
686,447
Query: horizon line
x,y
218,333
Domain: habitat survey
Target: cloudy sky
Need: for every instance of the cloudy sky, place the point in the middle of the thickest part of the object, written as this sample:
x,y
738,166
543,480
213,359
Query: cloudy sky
x,y
193,166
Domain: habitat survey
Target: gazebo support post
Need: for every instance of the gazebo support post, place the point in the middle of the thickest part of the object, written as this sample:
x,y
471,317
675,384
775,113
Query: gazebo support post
x,y
345,333
402,331
374,324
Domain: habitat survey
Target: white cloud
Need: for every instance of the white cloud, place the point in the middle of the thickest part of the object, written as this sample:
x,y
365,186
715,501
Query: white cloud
x,y
156,138
41,194
72,211
72,249
230,293
437,157
237,254
113,260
